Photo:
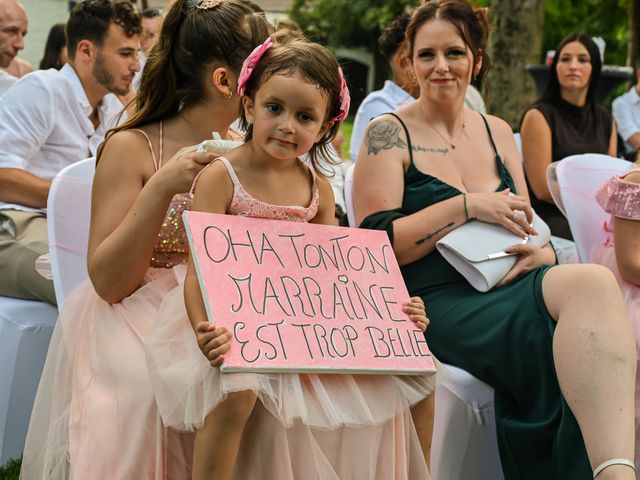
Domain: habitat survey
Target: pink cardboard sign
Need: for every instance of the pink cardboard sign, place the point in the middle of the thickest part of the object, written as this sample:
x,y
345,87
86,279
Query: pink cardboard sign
x,y
305,298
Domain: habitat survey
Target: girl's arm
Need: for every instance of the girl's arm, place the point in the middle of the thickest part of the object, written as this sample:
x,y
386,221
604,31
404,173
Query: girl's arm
x,y
213,193
536,152
327,208
626,234
379,186
127,211
613,141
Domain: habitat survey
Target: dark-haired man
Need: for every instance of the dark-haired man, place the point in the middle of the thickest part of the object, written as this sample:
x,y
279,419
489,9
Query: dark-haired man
x,y
50,119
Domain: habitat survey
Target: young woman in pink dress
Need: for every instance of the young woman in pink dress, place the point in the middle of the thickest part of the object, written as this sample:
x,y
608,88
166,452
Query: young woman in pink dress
x,y
620,196
95,406
285,426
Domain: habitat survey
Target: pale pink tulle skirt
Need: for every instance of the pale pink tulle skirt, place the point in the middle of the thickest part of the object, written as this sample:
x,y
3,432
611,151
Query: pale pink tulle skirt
x,y
631,293
305,426
95,407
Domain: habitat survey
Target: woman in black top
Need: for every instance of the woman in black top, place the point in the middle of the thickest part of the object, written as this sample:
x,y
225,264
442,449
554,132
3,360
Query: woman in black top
x,y
565,121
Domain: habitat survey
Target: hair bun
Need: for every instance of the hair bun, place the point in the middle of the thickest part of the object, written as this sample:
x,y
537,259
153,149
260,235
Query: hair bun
x,y
482,14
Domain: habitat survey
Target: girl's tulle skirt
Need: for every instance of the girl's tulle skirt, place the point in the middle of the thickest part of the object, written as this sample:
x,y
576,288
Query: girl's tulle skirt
x,y
95,408
631,293
309,426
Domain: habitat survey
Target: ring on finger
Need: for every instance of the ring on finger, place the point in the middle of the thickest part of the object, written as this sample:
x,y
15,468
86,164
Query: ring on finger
x,y
514,215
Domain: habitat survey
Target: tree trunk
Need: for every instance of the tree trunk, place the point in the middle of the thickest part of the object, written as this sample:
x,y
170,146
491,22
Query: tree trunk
x,y
515,41
634,33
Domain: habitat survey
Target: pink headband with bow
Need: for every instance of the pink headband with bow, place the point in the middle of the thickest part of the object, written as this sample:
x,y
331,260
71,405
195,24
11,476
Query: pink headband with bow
x,y
254,57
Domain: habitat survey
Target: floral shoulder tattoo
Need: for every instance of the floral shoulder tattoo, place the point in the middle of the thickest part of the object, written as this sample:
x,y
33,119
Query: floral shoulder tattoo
x,y
383,136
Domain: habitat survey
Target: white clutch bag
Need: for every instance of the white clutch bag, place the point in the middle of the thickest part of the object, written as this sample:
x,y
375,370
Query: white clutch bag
x,y
476,250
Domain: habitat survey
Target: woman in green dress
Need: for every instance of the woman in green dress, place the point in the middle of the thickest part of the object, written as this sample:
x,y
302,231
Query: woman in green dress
x,y
553,342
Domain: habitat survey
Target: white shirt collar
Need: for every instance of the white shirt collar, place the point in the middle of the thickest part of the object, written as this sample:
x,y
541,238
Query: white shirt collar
x,y
81,96
396,91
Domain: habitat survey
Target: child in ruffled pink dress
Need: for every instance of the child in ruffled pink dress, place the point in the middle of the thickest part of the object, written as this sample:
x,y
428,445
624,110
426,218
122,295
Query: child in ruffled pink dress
x,y
282,426
620,196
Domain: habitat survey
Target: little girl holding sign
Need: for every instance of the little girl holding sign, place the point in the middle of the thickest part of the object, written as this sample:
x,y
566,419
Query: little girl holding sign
x,y
284,426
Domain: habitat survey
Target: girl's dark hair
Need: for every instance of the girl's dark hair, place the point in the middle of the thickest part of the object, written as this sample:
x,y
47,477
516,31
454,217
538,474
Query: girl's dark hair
x,y
552,91
192,41
291,54
56,41
472,25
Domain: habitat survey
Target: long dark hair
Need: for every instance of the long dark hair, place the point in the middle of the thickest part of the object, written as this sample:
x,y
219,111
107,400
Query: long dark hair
x,y
191,41
552,91
56,41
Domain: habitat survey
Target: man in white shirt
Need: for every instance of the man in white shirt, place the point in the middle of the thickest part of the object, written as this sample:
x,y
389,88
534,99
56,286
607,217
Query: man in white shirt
x,y
626,112
50,119
397,92
13,29
151,24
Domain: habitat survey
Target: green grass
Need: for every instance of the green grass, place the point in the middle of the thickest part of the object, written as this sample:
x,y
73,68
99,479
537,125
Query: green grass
x,y
10,470
347,128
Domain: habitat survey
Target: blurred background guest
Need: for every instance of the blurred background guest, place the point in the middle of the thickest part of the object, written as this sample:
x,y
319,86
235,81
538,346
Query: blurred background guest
x,y
13,28
626,113
565,121
55,50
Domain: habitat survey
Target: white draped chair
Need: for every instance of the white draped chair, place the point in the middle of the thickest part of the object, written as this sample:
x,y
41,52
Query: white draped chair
x,y
578,178
26,326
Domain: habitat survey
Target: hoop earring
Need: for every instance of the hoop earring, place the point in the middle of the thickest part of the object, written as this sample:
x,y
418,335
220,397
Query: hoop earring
x,y
229,94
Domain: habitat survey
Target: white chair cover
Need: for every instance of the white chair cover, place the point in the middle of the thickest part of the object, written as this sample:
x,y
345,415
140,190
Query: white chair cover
x,y
579,177
25,331
68,216
518,139
465,444
348,195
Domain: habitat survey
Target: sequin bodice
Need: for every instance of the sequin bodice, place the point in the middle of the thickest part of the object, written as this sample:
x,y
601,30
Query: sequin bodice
x,y
620,198
172,246
245,204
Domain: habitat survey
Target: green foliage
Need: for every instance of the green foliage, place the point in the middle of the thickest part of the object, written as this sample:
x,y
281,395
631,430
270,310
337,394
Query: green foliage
x,y
598,18
353,23
10,470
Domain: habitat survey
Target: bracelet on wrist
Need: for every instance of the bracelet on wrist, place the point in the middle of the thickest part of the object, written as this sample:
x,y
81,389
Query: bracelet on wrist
x,y
466,212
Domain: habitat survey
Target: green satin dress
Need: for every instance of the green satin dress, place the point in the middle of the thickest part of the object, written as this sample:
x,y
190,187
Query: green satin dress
x,y
503,337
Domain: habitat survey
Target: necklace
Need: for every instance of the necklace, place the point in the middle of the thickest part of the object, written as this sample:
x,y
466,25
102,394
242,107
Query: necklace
x,y
446,140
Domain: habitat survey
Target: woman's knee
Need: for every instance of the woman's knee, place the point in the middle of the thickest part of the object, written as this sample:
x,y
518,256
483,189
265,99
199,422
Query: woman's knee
x,y
580,284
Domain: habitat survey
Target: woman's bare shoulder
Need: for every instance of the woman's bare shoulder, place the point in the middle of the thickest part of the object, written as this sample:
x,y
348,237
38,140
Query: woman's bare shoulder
x,y
127,151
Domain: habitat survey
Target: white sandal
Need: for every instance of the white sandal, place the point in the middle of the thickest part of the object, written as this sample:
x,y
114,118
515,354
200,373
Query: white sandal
x,y
613,461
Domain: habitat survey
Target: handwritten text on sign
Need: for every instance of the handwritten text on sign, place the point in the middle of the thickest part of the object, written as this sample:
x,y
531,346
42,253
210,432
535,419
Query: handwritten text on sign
x,y
305,297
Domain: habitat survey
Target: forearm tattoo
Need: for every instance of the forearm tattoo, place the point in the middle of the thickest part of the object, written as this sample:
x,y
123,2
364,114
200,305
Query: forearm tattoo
x,y
429,236
384,135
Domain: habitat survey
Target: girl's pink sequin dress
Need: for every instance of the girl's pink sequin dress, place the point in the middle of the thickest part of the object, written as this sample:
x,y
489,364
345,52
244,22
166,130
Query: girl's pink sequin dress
x,y
621,198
